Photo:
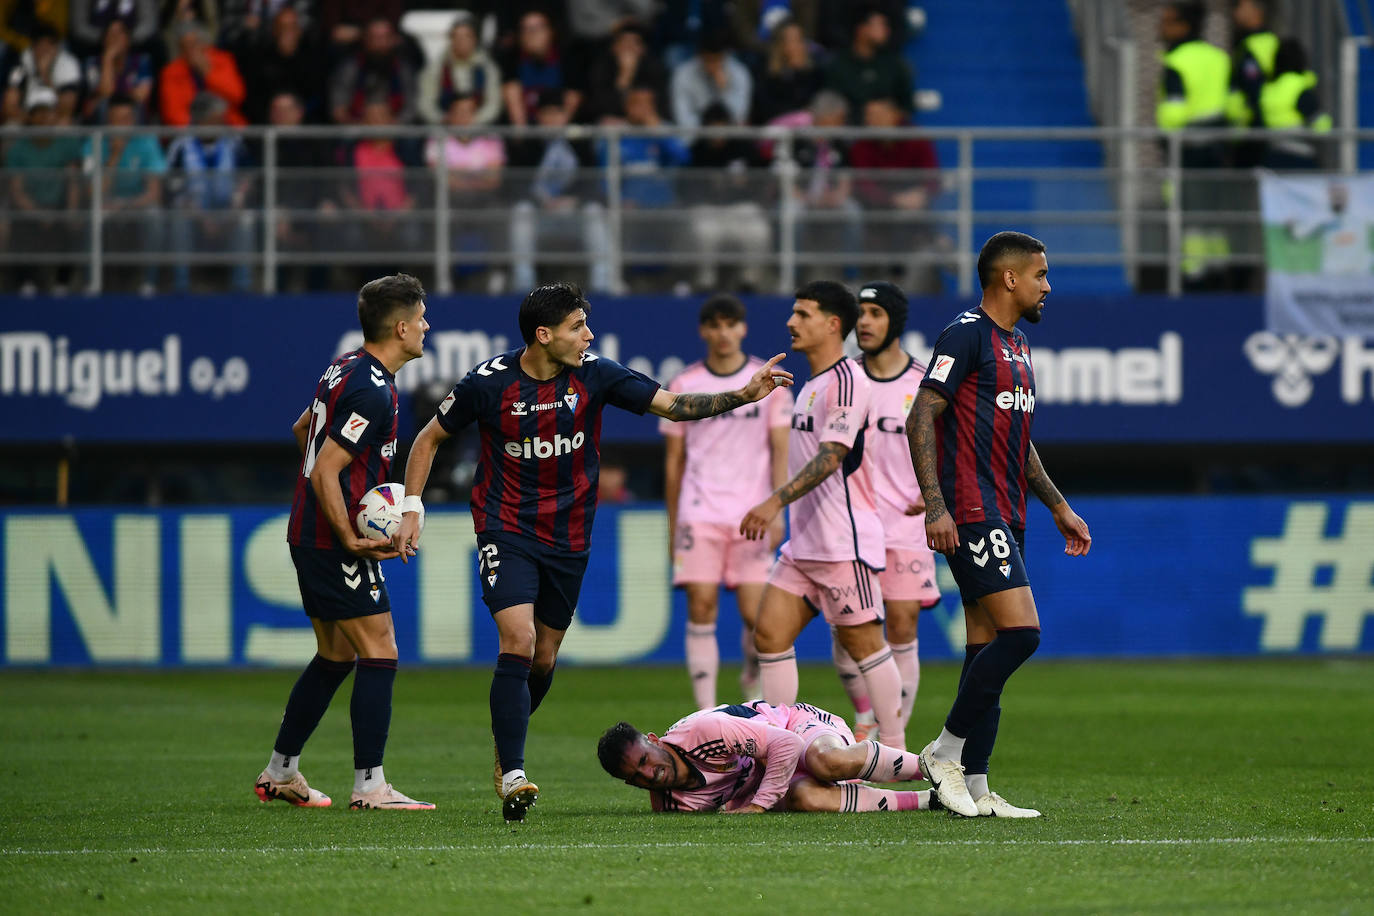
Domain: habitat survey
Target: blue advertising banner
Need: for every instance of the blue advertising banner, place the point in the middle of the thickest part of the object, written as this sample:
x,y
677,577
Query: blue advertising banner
x,y
239,369
1183,576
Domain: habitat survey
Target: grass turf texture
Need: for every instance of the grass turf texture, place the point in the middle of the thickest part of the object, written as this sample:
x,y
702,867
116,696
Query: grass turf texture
x,y
1217,786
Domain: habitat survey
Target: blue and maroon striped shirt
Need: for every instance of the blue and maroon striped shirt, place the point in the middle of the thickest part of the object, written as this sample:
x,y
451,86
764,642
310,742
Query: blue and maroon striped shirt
x,y
539,459
355,405
983,438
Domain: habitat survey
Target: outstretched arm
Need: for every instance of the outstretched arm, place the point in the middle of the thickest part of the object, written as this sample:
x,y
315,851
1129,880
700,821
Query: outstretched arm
x,y
1077,539
828,458
941,532
694,406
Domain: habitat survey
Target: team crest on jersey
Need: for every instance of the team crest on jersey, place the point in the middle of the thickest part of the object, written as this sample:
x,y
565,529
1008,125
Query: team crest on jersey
x,y
571,399
907,402
1005,569
518,409
811,400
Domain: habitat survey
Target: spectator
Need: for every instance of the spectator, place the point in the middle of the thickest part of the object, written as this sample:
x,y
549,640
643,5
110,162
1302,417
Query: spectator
x,y
20,18
245,24
909,190
464,69
306,203
343,22
537,63
627,62
647,185
713,75
376,71
209,183
118,70
380,188
199,68
868,69
45,65
831,22
289,60
594,21
43,191
832,219
89,19
724,217
131,168
1289,103
180,12
791,78
559,204
474,165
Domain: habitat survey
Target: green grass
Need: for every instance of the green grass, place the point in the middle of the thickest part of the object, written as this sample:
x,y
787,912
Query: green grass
x,y
1167,787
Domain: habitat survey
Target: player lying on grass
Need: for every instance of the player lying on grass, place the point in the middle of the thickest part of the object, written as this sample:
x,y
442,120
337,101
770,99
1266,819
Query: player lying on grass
x,y
753,758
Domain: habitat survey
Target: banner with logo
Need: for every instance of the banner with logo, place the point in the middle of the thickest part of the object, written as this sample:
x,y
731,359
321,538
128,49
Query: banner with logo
x,y
1319,249
1180,576
240,369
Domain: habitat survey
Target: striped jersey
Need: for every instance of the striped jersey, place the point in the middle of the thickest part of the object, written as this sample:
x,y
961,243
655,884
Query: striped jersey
x,y
983,438
837,521
539,459
355,405
887,456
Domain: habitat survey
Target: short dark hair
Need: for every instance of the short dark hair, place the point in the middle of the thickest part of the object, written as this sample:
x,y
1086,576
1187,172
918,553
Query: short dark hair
x,y
547,306
120,99
721,306
1191,12
610,750
1291,57
999,247
380,299
834,298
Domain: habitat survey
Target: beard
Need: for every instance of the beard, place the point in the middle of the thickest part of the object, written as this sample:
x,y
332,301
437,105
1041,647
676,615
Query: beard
x,y
1035,313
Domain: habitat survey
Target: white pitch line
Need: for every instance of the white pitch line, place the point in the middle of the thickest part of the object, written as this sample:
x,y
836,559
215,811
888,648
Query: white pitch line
x,y
686,844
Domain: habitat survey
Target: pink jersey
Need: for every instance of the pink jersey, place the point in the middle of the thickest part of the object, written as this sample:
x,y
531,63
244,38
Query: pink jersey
x,y
729,463
887,456
838,520
742,754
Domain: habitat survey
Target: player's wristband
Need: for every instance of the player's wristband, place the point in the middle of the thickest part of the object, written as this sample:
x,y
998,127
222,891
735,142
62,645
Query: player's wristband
x,y
412,504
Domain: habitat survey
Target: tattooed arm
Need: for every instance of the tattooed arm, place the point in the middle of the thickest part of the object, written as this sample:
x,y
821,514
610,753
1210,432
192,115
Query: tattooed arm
x,y
693,406
827,460
1077,539
941,532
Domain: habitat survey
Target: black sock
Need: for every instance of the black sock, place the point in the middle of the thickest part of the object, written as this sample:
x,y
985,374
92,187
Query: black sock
x,y
539,686
510,709
308,701
987,675
371,709
978,743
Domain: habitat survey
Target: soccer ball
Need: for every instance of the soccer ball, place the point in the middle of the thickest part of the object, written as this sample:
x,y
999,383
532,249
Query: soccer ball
x,y
379,511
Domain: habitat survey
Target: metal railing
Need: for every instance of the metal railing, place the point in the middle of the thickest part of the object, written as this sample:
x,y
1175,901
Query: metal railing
x,y
621,218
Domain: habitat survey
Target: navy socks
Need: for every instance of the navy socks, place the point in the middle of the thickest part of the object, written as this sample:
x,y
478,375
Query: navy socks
x,y
309,699
985,676
371,710
510,708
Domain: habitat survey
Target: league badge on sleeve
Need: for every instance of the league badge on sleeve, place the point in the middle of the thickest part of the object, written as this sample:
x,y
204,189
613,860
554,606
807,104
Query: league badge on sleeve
x,y
940,371
354,427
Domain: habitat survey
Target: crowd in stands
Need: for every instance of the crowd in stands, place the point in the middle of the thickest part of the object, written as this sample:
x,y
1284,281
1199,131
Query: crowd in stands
x,y
221,64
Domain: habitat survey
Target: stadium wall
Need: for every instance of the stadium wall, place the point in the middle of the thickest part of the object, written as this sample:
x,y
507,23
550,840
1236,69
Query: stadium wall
x,y
221,369
1237,576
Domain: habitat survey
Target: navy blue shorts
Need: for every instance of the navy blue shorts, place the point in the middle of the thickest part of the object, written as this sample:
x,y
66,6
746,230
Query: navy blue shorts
x,y
336,585
514,569
989,559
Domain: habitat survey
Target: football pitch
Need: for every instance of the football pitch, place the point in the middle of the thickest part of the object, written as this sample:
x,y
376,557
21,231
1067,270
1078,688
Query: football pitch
x,y
1178,786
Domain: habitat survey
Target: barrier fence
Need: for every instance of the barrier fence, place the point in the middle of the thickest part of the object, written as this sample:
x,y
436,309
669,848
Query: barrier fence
x,y
635,205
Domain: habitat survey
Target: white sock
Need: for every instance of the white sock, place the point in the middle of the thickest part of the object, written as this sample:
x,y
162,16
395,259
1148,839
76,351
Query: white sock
x,y
865,718
977,784
948,747
283,768
368,779
508,779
